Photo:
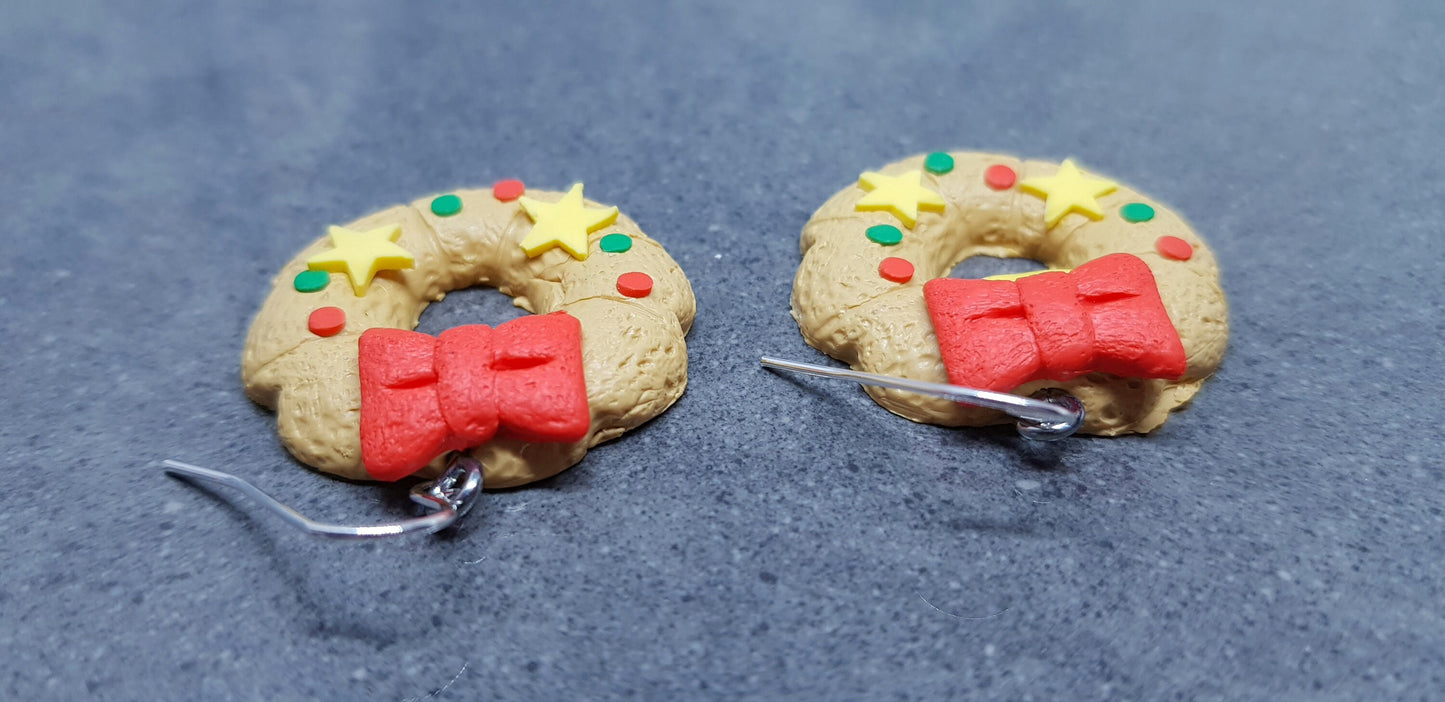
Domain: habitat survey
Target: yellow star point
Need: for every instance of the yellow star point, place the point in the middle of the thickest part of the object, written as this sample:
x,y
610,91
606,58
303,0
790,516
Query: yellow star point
x,y
903,195
361,255
1025,274
1067,191
565,223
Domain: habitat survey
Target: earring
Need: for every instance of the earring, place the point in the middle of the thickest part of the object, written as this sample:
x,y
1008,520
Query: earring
x,y
360,395
1124,327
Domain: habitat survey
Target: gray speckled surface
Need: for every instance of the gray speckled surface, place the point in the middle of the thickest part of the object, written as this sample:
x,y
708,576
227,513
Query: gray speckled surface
x,y
770,537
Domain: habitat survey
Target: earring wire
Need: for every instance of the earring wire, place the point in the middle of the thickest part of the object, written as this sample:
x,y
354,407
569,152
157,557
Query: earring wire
x,y
449,497
1054,415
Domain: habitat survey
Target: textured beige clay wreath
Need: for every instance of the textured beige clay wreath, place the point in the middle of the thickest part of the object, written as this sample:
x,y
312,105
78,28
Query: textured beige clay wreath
x,y
859,294
633,302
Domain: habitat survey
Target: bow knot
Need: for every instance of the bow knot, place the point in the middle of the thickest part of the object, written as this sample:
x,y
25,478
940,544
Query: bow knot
x,y
1104,316
422,396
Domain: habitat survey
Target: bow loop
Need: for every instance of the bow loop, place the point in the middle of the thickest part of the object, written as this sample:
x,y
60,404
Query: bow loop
x,y
423,396
999,300
1111,282
1104,316
410,357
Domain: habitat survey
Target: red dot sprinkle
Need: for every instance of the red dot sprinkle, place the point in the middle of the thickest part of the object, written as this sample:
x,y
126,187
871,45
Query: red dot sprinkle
x,y
327,321
1174,247
1000,177
896,270
508,190
634,284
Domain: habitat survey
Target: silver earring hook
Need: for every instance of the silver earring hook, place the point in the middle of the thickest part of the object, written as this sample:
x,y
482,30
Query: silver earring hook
x,y
1055,415
450,497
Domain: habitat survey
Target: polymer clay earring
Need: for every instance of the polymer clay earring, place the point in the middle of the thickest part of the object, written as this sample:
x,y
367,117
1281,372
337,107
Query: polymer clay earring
x,y
360,395
1124,327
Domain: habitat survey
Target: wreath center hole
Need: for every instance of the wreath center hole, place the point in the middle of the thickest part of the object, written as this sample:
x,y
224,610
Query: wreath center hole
x,y
985,266
474,305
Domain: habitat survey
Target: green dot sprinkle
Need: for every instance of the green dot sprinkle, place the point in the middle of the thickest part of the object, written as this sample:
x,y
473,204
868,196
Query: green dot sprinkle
x,y
885,234
938,163
616,243
446,205
1136,212
312,281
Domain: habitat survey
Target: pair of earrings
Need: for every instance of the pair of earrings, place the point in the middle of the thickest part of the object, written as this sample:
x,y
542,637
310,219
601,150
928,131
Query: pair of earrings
x,y
1124,326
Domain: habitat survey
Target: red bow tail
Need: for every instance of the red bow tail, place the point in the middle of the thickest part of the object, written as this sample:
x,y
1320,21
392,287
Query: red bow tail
x,y
423,396
1105,316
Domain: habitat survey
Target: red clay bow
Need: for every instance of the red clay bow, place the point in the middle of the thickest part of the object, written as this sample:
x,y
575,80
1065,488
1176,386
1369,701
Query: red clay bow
x,y
422,396
1104,316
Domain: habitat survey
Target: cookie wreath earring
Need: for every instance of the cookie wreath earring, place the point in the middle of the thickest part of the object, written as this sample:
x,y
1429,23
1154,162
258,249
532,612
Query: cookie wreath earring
x,y
360,395
1125,326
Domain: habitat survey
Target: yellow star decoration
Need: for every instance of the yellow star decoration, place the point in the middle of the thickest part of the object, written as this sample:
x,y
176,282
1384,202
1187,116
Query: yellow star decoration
x,y
1025,274
361,255
565,223
1069,191
903,195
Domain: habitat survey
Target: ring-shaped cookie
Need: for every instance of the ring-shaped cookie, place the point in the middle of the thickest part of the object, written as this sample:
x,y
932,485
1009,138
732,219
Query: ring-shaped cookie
x,y
633,302
871,250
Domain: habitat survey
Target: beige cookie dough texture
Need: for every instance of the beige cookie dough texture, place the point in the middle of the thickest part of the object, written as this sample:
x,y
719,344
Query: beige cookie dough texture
x,y
845,309
634,354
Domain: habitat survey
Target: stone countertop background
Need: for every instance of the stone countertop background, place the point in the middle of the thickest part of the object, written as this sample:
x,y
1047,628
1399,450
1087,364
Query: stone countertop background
x,y
770,537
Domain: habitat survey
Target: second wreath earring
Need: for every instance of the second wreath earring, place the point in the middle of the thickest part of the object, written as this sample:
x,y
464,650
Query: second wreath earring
x,y
1130,318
